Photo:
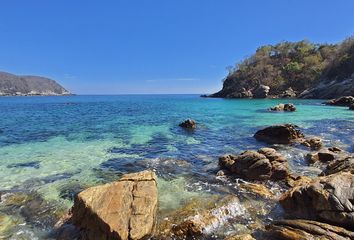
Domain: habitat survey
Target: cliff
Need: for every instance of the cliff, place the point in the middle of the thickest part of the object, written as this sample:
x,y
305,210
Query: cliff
x,y
14,85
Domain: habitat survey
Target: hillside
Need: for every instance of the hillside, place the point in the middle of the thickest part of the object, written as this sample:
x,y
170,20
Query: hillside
x,y
302,69
11,84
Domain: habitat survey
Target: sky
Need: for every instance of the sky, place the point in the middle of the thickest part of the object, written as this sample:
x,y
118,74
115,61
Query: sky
x,y
155,46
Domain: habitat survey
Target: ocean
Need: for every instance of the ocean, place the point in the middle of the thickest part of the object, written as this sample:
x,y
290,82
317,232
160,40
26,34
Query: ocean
x,y
53,147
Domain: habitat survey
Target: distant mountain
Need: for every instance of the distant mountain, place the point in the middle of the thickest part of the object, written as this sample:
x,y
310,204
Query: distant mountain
x,y
14,85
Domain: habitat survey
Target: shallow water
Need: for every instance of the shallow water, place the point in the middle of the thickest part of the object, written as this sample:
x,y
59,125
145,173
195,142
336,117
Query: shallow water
x,y
57,146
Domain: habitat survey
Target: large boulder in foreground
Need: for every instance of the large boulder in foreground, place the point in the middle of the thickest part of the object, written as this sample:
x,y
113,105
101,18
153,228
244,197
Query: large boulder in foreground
x,y
300,229
342,101
263,164
329,199
281,134
125,209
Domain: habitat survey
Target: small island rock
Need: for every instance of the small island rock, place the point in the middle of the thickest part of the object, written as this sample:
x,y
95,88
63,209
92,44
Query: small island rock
x,y
188,124
288,107
342,101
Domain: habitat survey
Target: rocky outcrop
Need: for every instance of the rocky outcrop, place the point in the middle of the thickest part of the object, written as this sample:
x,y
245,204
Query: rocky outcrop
x,y
351,107
261,91
324,156
315,143
263,164
346,164
11,84
329,199
288,93
281,134
287,107
346,101
328,90
125,209
300,229
188,124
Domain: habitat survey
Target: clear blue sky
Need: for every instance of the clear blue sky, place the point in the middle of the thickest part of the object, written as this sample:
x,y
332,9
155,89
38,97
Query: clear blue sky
x,y
155,46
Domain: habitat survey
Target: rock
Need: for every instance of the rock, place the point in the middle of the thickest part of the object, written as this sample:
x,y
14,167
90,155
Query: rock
x,y
125,209
335,149
333,89
351,107
189,124
220,173
320,156
342,101
251,165
32,208
206,221
258,189
329,199
314,143
243,93
294,180
281,134
240,237
261,91
288,107
300,229
345,164
288,93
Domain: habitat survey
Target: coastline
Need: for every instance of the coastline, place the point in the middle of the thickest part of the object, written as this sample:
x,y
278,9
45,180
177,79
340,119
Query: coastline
x,y
187,167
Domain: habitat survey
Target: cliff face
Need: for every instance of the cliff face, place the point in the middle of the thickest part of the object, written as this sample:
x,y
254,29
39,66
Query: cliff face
x,y
300,69
11,84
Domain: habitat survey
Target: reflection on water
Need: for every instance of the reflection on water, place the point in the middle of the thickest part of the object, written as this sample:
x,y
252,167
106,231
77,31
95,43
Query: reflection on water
x,y
53,147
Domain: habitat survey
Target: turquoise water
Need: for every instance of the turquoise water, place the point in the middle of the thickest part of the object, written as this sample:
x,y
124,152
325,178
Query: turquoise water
x,y
57,146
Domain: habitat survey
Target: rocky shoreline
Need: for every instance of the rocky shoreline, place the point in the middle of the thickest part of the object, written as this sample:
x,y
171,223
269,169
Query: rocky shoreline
x,y
314,207
281,203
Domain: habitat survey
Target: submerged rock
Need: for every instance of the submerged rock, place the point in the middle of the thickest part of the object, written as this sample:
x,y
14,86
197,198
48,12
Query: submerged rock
x,y
351,107
205,221
125,209
287,107
261,91
300,229
342,101
282,134
262,165
258,189
189,124
328,198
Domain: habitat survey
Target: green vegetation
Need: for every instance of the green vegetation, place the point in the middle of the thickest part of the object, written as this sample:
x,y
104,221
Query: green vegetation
x,y
298,65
